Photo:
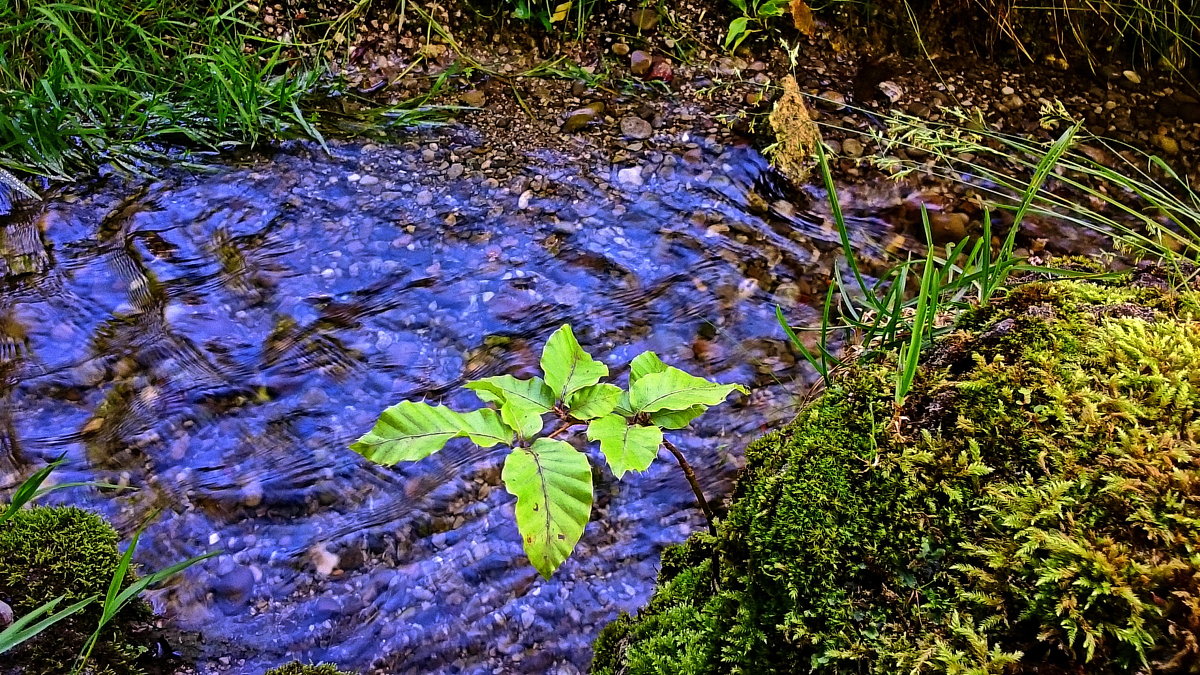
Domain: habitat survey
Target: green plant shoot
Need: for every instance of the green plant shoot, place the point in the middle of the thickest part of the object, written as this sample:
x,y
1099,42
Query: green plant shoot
x,y
755,16
550,478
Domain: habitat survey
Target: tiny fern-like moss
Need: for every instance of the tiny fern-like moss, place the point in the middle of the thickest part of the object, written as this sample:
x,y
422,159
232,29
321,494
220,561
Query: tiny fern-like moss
x,y
1030,508
298,668
550,478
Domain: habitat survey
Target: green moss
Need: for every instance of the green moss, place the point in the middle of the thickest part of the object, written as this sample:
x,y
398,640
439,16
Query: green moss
x,y
46,552
297,668
1031,508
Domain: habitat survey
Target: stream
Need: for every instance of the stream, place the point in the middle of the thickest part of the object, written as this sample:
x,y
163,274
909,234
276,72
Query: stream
x,y
216,339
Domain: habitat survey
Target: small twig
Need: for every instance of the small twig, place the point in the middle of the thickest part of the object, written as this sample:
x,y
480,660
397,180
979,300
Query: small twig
x,y
691,477
567,424
708,514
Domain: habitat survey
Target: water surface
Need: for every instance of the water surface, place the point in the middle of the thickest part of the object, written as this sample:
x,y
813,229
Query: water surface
x,y
217,339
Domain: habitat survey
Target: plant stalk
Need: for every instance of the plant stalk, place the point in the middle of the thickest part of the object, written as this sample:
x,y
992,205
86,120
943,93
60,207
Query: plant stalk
x,y
708,514
561,428
691,477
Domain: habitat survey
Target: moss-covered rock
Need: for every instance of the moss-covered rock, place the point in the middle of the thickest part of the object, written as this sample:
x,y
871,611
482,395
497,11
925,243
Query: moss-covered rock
x,y
297,668
47,552
1033,507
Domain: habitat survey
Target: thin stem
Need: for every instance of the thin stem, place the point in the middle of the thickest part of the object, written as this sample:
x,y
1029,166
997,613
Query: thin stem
x,y
691,477
708,514
567,424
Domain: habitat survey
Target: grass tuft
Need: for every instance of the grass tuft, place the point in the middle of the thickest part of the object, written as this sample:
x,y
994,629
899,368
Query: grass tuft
x,y
83,82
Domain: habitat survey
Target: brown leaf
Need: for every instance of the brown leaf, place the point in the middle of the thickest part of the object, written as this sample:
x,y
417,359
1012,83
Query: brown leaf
x,y
802,17
796,134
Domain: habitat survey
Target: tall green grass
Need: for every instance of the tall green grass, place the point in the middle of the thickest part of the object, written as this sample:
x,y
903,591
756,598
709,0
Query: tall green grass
x,y
1136,198
888,315
90,81
83,81
1166,31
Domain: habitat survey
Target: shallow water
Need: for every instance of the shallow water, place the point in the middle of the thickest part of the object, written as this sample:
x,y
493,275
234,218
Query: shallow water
x,y
216,340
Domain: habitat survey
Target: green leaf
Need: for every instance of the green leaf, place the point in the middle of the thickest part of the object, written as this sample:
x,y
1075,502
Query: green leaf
x,y
623,408
527,423
643,364
677,419
532,394
626,447
595,401
567,366
737,29
772,8
28,489
408,431
522,402
673,389
485,428
20,630
552,482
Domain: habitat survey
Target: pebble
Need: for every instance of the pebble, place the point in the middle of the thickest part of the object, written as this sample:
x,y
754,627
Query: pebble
x,y
636,128
852,147
1008,91
455,171
579,119
620,49
235,586
424,198
891,90
644,19
831,100
639,63
946,227
1132,76
1013,102
368,180
6,614
473,98
630,175
352,557
662,70
1168,145
324,561
324,609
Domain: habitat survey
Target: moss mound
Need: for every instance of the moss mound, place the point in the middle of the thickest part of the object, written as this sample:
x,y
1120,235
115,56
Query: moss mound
x,y
1032,508
46,552
297,668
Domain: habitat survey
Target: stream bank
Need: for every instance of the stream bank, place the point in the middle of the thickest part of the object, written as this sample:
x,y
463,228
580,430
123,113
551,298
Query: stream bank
x,y
1029,509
